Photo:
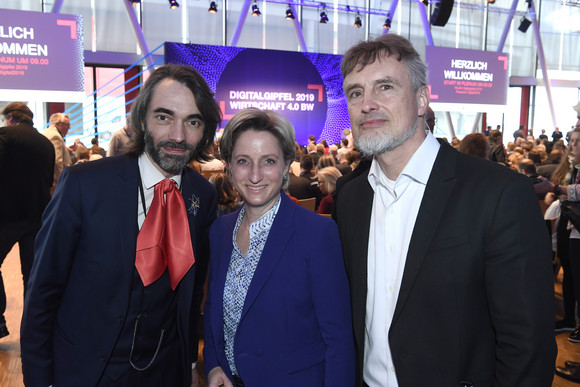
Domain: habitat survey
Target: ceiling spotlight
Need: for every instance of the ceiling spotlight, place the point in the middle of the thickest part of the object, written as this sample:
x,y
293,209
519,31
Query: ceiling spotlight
x,y
524,24
255,10
135,2
212,7
490,1
173,4
357,21
426,2
323,17
387,25
289,14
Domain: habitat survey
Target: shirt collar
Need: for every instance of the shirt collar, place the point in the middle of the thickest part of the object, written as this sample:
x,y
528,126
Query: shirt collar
x,y
418,168
150,175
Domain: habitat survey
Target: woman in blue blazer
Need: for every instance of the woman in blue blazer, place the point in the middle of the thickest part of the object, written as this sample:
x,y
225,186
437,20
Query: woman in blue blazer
x,y
278,311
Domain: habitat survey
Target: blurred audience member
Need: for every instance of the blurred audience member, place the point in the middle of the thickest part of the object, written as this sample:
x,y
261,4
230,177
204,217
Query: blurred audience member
x,y
26,174
327,183
59,126
228,197
475,144
120,140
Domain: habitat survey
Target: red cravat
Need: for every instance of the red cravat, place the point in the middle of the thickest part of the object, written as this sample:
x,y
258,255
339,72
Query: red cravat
x,y
164,240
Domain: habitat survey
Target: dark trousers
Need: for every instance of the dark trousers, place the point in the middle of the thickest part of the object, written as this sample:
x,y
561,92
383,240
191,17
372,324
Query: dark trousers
x,y
22,233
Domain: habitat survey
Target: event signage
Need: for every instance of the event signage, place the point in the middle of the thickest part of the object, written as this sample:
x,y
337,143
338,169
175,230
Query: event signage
x,y
306,88
467,76
41,52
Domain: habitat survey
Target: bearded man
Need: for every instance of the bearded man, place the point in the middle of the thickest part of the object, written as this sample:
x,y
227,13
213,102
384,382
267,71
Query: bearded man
x,y
447,254
120,259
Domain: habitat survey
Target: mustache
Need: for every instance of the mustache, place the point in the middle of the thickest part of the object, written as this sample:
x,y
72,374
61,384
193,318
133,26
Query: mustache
x,y
372,116
174,145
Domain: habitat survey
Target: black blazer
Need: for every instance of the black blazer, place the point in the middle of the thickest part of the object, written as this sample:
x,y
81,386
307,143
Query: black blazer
x,y
26,173
476,304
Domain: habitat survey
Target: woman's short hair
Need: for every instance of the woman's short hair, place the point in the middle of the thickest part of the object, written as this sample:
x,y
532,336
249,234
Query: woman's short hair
x,y
325,161
329,175
475,144
260,121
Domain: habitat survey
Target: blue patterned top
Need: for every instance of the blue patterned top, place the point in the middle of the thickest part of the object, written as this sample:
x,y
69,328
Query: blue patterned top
x,y
240,273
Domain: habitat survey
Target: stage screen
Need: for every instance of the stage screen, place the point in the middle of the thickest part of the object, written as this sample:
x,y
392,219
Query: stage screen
x,y
304,87
467,76
42,53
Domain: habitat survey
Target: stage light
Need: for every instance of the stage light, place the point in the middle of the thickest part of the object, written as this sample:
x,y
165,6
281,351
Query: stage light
x,y
426,2
357,21
289,14
387,25
173,4
323,17
525,23
135,2
212,7
490,1
255,10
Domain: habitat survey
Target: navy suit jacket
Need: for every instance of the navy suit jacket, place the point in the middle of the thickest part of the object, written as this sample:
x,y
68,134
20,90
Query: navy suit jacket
x,y
82,277
476,303
295,328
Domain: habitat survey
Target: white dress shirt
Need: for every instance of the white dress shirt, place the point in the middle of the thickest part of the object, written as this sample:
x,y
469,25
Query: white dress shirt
x,y
395,208
150,176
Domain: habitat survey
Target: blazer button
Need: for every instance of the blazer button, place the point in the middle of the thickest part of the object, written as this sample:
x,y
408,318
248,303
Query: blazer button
x,y
259,353
103,359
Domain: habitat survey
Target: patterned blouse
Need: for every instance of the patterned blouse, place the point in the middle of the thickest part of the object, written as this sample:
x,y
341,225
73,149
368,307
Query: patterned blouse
x,y
240,273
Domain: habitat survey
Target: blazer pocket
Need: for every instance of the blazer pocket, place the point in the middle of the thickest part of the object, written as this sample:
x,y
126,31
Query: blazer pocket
x,y
306,357
448,242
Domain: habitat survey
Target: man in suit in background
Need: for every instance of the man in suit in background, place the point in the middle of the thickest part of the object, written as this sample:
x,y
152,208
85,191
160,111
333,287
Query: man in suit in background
x,y
59,126
26,173
96,314
448,256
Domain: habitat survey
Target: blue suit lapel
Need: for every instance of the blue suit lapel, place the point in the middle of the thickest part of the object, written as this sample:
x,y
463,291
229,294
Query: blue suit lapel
x,y
278,238
222,249
439,187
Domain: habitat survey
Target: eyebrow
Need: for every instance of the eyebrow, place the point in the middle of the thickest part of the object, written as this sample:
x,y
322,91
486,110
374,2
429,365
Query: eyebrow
x,y
389,80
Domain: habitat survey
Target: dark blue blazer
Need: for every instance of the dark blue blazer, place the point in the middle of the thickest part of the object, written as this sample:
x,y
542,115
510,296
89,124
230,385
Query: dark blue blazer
x,y
82,277
295,328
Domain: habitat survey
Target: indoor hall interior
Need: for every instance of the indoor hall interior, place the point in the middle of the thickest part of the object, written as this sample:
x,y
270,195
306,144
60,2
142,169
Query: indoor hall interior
x,y
10,364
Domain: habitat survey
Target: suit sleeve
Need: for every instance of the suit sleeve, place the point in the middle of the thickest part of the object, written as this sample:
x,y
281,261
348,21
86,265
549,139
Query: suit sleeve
x,y
331,300
202,263
55,247
519,286
210,357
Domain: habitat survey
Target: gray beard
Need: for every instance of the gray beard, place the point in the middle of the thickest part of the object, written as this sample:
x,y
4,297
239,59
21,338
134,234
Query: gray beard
x,y
372,145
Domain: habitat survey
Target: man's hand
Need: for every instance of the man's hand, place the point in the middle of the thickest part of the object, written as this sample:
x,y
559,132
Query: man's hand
x,y
218,378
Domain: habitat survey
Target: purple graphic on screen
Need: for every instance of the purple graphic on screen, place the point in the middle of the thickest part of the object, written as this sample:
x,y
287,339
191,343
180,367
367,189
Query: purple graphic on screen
x,y
467,76
41,51
305,88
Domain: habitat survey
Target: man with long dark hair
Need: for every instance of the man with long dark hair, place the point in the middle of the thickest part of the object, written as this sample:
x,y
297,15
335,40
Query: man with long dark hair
x,y
122,254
